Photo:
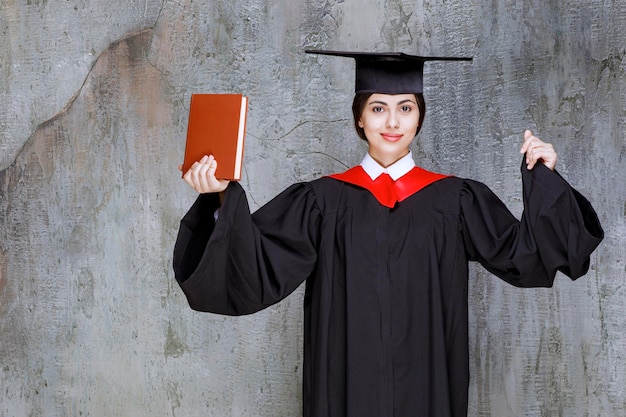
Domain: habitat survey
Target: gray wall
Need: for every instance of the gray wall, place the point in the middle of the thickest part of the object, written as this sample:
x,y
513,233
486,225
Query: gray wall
x,y
93,112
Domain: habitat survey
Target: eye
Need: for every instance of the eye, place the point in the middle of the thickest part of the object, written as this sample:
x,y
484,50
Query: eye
x,y
377,109
406,108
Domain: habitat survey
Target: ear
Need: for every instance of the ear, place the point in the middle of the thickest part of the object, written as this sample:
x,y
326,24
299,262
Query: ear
x,y
360,124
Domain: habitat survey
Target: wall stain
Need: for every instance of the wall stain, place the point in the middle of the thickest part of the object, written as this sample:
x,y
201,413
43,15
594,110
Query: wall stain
x,y
173,346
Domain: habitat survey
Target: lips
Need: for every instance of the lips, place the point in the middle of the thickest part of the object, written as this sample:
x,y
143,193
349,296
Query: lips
x,y
391,137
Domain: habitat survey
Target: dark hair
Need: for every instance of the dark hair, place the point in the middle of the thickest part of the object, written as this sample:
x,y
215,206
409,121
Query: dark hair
x,y
360,101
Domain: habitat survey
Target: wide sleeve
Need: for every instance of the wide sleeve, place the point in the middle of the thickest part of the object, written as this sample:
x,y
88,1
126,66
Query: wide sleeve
x,y
558,230
242,263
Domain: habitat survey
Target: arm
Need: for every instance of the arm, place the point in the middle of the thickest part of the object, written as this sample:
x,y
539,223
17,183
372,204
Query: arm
x,y
242,263
558,230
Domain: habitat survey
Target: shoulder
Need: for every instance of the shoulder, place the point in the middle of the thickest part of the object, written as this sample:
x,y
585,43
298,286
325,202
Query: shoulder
x,y
296,199
451,194
450,186
326,187
298,190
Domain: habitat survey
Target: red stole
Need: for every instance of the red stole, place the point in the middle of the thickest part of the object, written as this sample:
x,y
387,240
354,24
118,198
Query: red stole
x,y
386,190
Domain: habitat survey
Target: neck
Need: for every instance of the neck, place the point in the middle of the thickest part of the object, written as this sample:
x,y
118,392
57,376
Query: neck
x,y
386,162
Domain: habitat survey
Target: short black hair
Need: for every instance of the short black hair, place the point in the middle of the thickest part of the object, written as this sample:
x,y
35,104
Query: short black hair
x,y
360,101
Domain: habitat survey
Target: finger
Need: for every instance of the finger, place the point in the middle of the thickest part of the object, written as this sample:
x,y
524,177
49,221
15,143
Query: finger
x,y
209,181
212,167
188,179
204,184
544,153
204,166
532,155
530,163
528,135
530,145
193,174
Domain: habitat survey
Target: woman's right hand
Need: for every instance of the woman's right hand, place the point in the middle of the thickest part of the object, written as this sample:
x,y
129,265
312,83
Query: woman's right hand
x,y
201,176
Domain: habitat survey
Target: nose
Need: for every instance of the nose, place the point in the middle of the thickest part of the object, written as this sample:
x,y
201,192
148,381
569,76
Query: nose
x,y
392,121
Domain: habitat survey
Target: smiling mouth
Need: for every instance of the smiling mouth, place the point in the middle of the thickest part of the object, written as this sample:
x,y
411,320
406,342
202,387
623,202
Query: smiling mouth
x,y
391,137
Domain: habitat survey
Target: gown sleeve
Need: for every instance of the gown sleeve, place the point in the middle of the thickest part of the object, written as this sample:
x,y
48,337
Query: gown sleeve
x,y
558,231
242,263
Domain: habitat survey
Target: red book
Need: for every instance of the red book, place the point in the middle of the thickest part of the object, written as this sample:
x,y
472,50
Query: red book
x,y
217,126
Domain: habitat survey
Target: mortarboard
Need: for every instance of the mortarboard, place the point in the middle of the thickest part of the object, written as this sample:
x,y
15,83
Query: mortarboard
x,y
388,72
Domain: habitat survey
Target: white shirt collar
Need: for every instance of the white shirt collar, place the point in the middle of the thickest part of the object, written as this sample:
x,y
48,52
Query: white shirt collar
x,y
395,170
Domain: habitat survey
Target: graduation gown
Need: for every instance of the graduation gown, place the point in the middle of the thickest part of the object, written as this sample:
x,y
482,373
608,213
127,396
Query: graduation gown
x,y
386,299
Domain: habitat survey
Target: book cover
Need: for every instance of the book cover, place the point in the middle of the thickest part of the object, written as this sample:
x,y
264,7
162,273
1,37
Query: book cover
x,y
217,126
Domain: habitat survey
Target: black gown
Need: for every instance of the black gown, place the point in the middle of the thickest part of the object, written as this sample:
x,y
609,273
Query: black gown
x,y
386,300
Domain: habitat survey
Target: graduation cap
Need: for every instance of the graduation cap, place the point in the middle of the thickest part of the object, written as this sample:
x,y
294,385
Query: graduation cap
x,y
388,72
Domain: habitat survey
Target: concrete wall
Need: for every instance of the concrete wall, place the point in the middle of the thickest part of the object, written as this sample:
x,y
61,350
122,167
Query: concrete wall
x,y
93,112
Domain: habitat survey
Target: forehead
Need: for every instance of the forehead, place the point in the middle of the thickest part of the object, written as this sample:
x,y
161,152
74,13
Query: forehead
x,y
391,99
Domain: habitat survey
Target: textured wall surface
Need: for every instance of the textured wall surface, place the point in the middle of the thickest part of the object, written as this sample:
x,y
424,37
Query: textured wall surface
x,y
93,112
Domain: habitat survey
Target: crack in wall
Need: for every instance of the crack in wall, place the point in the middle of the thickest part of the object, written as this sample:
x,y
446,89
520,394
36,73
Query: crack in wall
x,y
65,109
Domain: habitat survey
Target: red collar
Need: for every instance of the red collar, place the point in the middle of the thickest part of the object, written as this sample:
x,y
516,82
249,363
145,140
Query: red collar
x,y
387,191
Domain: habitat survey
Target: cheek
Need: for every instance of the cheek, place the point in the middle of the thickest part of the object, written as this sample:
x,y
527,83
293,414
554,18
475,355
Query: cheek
x,y
412,122
372,122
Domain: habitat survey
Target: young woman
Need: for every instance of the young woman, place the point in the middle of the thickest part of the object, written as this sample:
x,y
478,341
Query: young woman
x,y
384,249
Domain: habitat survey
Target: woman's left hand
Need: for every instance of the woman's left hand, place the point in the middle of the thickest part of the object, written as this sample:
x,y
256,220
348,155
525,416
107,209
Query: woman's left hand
x,y
537,150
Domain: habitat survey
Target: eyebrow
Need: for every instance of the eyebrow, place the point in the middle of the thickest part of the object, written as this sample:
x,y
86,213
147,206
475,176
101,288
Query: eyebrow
x,y
387,104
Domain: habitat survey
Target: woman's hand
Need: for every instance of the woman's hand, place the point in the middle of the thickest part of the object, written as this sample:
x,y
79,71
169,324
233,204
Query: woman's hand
x,y
201,176
537,150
